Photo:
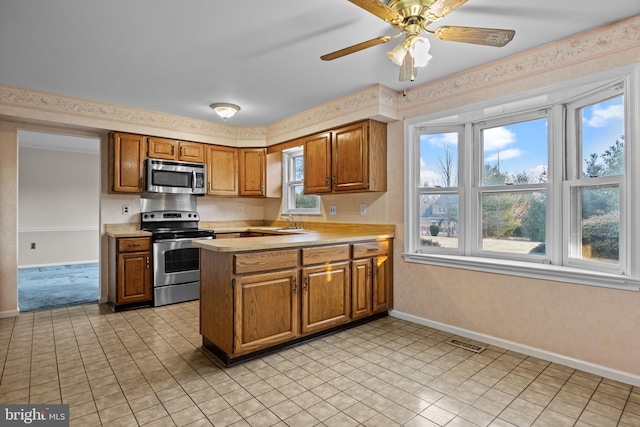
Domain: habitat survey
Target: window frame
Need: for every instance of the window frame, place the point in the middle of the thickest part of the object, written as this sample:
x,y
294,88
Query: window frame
x,y
433,190
553,265
479,189
289,185
575,181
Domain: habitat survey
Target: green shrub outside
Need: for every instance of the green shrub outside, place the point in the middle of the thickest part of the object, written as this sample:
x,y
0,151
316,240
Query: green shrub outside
x,y
602,234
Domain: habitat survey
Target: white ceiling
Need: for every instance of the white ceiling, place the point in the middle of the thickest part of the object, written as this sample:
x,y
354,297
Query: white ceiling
x,y
180,56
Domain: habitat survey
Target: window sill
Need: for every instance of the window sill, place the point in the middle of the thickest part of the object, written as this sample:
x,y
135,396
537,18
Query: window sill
x,y
526,269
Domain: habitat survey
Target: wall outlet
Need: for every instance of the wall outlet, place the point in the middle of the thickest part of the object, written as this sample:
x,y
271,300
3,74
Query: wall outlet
x,y
363,209
240,209
332,210
126,209
33,245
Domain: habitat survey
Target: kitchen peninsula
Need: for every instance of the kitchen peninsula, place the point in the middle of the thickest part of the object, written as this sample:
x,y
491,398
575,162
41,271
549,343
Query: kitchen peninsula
x,y
259,294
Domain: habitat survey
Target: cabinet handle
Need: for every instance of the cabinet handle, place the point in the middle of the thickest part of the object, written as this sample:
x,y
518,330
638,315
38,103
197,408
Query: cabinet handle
x,y
172,147
262,187
372,249
140,183
306,283
180,155
295,285
133,245
148,263
368,271
326,180
377,271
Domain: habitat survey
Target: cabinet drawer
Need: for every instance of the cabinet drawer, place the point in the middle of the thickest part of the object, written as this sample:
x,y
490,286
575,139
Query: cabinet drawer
x,y
134,244
325,254
265,261
363,250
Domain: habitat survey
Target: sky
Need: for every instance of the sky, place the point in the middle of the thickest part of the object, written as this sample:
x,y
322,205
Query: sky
x,y
523,147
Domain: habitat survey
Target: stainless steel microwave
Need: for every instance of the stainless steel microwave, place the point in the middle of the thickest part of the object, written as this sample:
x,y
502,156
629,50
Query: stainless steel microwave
x,y
166,176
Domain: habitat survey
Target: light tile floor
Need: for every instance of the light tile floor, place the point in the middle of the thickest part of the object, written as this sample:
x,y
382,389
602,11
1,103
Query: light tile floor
x,y
146,367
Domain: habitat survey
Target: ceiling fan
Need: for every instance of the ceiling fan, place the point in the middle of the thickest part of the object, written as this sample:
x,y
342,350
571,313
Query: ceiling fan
x,y
412,17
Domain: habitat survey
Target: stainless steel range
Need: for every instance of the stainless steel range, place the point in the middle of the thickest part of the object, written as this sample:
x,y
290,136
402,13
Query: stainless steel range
x,y
176,263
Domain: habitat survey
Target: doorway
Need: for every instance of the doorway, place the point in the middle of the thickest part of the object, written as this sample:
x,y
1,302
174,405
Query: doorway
x,y
58,220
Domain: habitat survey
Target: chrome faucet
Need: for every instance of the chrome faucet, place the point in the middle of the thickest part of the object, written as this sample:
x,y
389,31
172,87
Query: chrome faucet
x,y
291,220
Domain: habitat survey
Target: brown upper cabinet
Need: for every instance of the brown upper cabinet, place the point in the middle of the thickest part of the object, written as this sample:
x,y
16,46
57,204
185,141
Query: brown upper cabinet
x,y
127,153
169,149
352,158
253,171
222,170
317,163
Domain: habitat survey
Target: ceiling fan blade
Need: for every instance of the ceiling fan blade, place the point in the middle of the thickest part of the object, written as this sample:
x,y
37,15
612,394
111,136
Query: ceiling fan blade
x,y
377,8
357,47
484,36
442,8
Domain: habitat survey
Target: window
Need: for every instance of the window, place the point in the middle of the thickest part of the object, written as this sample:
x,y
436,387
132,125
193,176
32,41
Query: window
x,y
513,185
540,191
438,187
294,201
596,125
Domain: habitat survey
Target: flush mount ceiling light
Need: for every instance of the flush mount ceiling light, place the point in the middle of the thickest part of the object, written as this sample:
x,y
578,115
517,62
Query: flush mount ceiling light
x,y
225,110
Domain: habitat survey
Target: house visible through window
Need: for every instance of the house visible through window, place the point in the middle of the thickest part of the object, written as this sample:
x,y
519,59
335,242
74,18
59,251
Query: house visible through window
x,y
294,201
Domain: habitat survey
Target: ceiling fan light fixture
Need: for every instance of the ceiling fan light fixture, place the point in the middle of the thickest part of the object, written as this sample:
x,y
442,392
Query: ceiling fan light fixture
x,y
225,110
419,50
397,54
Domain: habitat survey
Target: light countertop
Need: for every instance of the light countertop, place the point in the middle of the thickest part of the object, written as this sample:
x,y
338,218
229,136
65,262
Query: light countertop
x,y
286,239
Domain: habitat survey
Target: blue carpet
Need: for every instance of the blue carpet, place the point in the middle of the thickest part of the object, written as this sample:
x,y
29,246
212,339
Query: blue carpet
x,y
57,286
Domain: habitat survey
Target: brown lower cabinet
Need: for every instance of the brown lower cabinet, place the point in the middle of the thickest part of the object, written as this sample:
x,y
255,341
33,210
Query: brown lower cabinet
x,y
257,301
130,272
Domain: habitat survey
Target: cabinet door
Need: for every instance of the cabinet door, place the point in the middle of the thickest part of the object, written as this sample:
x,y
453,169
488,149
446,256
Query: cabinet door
x,y
191,152
361,287
350,158
381,283
127,155
222,171
134,277
266,310
253,171
317,163
325,296
162,148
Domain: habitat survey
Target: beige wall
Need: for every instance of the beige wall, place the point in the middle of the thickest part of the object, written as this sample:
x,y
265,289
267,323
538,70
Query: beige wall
x,y
594,328
588,327
58,206
8,219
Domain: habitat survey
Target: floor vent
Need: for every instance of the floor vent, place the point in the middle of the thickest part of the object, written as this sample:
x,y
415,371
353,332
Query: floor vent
x,y
466,345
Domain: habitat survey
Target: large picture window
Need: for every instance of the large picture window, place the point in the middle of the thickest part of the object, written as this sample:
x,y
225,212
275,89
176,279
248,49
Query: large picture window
x,y
542,192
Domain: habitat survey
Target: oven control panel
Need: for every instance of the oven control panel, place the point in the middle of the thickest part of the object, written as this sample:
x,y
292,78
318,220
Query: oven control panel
x,y
157,216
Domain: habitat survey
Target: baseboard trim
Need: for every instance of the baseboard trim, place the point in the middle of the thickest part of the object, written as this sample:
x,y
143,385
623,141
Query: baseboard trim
x,y
592,368
11,313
